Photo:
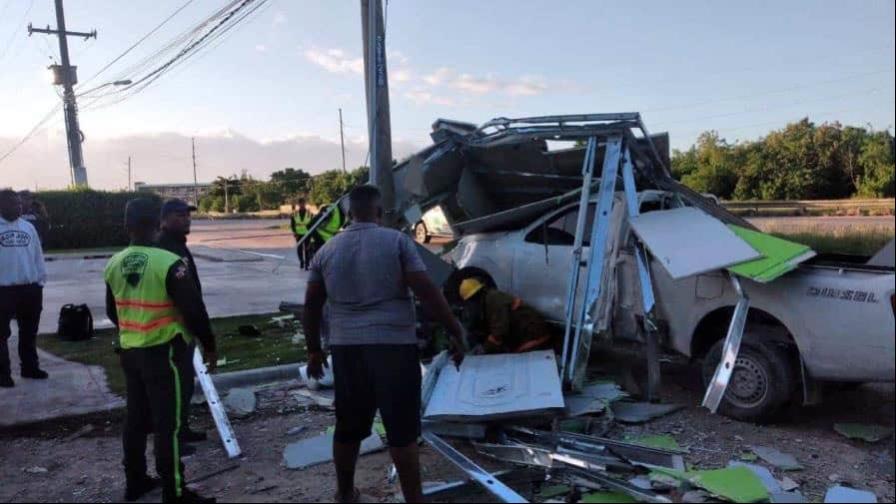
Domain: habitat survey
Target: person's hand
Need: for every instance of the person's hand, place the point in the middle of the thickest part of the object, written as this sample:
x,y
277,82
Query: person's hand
x,y
211,361
317,361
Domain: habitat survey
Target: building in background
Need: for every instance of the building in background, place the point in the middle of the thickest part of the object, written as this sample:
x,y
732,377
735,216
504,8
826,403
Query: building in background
x,y
187,192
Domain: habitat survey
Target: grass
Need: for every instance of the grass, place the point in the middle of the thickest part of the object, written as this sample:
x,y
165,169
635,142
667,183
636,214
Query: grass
x,y
238,352
855,239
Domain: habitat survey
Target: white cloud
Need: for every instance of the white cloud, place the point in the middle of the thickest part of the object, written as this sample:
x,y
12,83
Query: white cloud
x,y
335,61
261,47
280,18
439,76
401,75
526,86
423,97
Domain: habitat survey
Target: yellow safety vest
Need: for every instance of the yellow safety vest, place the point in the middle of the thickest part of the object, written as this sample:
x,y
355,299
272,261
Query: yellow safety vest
x,y
146,313
300,224
334,223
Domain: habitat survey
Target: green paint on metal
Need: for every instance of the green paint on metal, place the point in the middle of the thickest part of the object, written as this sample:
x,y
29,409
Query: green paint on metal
x,y
735,484
549,492
663,442
779,256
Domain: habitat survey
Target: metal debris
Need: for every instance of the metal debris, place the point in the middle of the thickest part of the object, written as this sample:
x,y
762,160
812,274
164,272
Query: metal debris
x,y
771,484
240,402
842,494
866,432
783,461
319,449
641,412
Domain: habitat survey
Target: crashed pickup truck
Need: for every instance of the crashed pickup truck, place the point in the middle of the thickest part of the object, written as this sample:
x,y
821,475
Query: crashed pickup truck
x,y
512,191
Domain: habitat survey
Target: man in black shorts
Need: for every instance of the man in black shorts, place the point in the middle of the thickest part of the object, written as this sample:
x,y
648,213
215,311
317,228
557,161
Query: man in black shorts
x,y
366,274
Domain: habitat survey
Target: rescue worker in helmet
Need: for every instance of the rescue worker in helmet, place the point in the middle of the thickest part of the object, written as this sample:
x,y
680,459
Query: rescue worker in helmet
x,y
499,322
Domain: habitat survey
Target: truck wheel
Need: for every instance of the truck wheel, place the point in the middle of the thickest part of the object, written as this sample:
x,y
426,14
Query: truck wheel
x,y
421,234
761,384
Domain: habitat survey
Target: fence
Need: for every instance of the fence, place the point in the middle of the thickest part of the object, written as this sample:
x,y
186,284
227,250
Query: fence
x,y
883,206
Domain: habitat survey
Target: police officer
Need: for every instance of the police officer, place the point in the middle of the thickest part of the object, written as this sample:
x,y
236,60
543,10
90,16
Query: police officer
x,y
299,222
152,299
175,226
333,223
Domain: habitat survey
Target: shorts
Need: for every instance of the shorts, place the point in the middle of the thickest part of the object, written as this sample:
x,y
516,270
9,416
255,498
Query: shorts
x,y
368,378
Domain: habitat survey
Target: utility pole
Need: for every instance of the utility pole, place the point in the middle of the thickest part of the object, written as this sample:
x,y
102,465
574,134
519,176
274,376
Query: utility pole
x,y
195,181
129,173
342,141
226,197
378,118
66,75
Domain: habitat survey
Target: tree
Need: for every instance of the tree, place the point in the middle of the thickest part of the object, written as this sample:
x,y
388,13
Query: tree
x,y
710,166
291,182
877,161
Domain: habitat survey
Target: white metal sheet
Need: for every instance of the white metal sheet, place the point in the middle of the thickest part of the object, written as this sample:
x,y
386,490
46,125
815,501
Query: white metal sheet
x,y
497,386
687,241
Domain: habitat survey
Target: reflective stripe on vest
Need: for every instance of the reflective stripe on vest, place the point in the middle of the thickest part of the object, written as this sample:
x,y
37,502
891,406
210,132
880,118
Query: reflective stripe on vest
x,y
146,313
300,224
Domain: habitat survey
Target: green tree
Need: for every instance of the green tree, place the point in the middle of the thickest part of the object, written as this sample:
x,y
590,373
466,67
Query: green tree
x,y
877,161
710,166
291,182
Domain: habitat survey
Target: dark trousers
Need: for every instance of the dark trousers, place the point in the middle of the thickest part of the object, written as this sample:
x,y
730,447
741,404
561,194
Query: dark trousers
x,y
23,303
187,384
304,252
154,405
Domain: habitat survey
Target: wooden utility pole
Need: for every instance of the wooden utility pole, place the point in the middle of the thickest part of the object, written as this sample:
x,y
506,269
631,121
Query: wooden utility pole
x,y
378,118
66,75
342,141
195,180
129,173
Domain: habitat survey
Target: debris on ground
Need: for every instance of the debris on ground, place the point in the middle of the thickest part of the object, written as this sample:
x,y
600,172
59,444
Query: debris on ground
x,y
240,402
783,461
36,470
322,398
87,429
842,494
641,412
865,432
319,450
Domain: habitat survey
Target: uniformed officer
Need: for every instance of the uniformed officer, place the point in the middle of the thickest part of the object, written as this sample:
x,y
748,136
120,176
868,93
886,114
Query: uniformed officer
x,y
299,222
154,302
500,322
334,222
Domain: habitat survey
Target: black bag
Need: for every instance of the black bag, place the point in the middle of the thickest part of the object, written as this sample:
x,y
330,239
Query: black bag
x,y
75,323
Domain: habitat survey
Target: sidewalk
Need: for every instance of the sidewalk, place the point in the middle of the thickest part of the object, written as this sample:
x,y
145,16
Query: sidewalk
x,y
72,389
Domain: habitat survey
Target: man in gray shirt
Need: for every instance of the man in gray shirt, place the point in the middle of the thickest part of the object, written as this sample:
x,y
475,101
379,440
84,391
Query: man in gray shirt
x,y
366,275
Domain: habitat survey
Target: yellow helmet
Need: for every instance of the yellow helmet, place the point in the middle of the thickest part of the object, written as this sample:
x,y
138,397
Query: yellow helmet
x,y
469,287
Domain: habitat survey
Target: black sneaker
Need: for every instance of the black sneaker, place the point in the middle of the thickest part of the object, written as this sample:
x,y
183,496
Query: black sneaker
x,y
190,496
6,382
191,436
134,491
35,374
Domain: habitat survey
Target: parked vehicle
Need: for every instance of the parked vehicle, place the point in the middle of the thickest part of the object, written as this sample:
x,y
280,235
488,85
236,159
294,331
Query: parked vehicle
x,y
831,320
433,224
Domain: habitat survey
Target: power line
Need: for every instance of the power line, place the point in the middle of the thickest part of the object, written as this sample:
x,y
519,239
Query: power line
x,y
9,41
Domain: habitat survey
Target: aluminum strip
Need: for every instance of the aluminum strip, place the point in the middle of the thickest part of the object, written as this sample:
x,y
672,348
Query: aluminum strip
x,y
719,384
225,430
480,475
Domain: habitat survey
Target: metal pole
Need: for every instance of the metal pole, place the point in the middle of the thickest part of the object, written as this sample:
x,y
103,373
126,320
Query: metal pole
x,y
72,129
129,173
195,182
226,197
342,141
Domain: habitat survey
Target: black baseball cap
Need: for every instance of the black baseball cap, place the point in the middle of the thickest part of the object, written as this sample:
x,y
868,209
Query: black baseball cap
x,y
141,212
176,205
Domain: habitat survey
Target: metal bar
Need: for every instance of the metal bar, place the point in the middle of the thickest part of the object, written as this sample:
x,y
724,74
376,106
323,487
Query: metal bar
x,y
576,266
595,268
620,116
480,475
719,384
598,481
228,437
313,228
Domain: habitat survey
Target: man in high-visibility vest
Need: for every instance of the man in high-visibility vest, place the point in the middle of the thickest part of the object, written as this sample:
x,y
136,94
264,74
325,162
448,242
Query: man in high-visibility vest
x,y
154,302
333,223
299,222
500,322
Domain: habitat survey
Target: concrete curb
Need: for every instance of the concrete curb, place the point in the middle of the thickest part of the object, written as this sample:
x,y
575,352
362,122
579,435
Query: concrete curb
x,y
253,377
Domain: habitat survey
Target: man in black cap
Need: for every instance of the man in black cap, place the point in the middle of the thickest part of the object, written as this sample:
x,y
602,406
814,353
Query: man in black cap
x,y
152,299
175,225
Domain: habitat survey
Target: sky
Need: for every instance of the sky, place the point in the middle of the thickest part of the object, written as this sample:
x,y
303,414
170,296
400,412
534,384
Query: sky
x,y
268,95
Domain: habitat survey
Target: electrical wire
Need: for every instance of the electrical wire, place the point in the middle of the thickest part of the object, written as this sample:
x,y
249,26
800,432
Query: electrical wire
x,y
52,113
9,41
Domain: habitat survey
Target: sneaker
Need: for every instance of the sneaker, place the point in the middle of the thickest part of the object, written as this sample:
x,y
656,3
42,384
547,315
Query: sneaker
x,y
190,496
6,382
35,374
190,436
134,491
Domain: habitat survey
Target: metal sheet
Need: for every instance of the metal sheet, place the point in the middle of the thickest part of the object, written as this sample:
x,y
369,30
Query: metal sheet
x,y
225,430
716,390
496,386
480,475
688,242
598,481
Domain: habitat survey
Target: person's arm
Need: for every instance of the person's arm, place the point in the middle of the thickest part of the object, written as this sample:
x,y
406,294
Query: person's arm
x,y
189,304
39,259
111,310
315,299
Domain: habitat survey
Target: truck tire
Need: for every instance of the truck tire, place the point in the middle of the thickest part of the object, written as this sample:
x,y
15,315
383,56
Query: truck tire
x,y
421,233
762,383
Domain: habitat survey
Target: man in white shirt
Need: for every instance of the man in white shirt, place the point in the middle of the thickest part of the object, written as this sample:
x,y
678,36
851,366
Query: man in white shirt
x,y
22,277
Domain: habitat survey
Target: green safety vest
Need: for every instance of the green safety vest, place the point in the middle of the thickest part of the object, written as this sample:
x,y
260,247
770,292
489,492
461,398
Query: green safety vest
x,y
146,313
334,223
300,224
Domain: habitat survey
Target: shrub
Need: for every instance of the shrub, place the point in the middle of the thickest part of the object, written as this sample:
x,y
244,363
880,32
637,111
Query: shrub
x,y
86,218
